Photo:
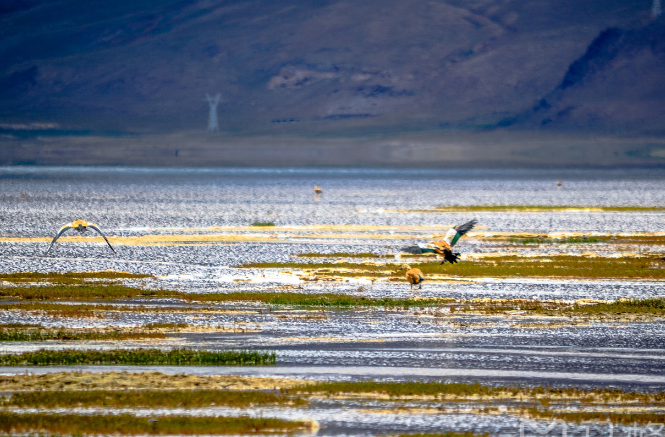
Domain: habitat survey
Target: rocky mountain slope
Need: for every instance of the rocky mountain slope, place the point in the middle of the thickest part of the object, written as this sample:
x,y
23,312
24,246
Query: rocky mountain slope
x,y
331,68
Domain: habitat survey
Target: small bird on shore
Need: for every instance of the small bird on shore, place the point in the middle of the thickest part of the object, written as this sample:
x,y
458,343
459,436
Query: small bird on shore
x,y
79,226
317,190
445,246
413,276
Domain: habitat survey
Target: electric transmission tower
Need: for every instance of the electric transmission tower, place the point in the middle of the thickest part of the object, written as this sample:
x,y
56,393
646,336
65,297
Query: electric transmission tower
x,y
212,119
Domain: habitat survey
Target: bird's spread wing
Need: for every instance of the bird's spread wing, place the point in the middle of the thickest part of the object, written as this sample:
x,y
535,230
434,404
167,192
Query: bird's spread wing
x,y
455,233
414,250
60,232
466,227
93,226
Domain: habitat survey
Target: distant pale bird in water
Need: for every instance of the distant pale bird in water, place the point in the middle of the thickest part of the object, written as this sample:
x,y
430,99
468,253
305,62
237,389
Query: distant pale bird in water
x,y
413,276
445,246
79,226
317,190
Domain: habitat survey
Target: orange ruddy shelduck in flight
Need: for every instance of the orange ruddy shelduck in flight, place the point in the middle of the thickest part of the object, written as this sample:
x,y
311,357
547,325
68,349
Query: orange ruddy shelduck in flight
x,y
80,226
445,246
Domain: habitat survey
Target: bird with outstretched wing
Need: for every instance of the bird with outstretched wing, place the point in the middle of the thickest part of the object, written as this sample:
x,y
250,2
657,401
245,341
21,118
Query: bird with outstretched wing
x,y
445,246
80,226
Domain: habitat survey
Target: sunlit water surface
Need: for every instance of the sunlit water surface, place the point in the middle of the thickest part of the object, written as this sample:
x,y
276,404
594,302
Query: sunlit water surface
x,y
361,344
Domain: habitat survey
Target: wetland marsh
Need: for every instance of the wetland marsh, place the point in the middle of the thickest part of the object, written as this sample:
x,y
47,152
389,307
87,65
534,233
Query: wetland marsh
x,y
245,280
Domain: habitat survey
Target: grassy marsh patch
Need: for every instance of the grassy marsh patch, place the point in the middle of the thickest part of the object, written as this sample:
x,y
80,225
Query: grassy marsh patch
x,y
262,224
127,381
565,266
81,292
133,398
125,424
60,310
312,300
71,277
175,357
654,306
65,310
642,417
71,335
166,325
463,391
564,240
630,306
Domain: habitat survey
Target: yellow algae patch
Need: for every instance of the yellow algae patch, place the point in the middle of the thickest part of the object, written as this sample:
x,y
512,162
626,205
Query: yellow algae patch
x,y
400,410
531,208
357,228
139,381
223,235
240,327
334,339
546,325
198,239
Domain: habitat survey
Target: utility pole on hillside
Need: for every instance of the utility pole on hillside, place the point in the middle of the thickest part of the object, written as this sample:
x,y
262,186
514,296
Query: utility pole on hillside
x,y
212,119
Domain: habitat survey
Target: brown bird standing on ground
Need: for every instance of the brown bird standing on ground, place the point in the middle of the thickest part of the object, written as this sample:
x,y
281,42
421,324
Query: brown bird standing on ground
x,y
413,276
445,246
317,190
80,226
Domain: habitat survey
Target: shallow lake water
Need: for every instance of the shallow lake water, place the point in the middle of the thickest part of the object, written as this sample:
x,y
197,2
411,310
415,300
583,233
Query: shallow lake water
x,y
353,344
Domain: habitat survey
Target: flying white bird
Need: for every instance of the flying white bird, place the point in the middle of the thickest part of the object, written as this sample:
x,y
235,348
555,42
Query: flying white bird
x,y
445,246
80,226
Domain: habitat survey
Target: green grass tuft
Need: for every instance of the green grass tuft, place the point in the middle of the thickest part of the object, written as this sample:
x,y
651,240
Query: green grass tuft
x,y
263,224
175,357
